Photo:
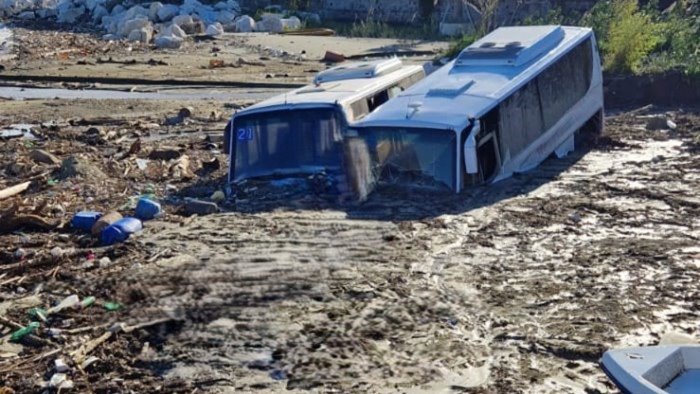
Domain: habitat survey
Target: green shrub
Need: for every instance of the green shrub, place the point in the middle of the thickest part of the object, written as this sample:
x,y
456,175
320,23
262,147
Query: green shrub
x,y
631,36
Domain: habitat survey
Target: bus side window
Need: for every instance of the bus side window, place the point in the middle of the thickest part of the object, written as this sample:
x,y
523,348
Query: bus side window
x,y
360,109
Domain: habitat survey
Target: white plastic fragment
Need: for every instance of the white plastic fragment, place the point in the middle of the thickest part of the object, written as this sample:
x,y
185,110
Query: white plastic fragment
x,y
88,362
60,365
60,381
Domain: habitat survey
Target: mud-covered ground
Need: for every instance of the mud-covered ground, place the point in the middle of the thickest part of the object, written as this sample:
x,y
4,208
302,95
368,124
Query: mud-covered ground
x,y
516,287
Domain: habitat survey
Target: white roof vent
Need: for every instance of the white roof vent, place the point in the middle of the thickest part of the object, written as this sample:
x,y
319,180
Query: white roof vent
x,y
451,87
511,46
358,70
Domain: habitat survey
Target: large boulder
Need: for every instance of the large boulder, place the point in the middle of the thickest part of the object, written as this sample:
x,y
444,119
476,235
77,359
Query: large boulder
x,y
173,30
167,42
244,24
142,35
292,23
270,24
182,20
153,10
130,25
225,17
168,12
214,30
69,13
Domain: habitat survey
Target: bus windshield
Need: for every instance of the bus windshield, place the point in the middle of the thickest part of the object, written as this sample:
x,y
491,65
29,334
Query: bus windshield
x,y
413,156
287,142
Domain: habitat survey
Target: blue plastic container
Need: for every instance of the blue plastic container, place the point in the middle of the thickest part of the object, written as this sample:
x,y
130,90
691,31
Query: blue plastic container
x,y
147,209
120,230
85,220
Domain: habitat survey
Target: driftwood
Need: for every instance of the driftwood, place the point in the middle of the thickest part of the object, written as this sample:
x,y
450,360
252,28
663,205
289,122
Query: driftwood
x,y
14,190
14,222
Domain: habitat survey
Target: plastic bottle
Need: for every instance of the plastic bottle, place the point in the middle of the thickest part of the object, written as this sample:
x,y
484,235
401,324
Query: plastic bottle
x,y
147,209
120,230
23,332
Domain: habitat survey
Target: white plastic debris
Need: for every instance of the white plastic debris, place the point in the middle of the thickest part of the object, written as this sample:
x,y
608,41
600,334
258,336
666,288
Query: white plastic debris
x,y
56,252
60,365
90,360
60,381
68,302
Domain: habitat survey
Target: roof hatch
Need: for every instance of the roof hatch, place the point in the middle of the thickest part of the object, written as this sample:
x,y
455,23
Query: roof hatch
x,y
511,46
451,88
358,70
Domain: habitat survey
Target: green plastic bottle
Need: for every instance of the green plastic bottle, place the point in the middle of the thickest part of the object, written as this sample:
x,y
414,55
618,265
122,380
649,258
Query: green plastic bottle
x,y
23,332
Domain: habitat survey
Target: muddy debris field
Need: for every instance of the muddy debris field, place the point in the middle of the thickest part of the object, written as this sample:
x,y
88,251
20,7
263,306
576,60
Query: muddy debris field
x,y
518,287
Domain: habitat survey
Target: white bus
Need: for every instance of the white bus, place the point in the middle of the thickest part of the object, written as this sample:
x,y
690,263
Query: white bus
x,y
301,132
505,104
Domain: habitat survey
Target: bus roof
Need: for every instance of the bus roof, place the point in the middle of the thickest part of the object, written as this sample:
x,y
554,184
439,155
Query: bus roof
x,y
482,76
346,88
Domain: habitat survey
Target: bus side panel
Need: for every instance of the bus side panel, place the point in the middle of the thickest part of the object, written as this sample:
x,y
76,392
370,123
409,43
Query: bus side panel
x,y
564,128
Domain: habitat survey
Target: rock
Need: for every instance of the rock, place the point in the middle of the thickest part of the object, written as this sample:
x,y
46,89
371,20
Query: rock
x,y
196,27
175,31
164,154
185,112
168,12
244,24
214,30
271,24
137,23
218,196
292,23
225,17
311,18
657,122
98,13
199,207
60,381
42,156
27,15
153,10
142,35
182,20
69,14
75,165
168,42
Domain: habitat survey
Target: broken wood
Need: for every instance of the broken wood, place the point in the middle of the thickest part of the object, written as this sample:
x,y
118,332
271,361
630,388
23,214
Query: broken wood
x,y
15,222
14,190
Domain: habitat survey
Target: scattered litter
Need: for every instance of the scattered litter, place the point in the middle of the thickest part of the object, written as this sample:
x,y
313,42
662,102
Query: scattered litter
x,y
333,57
42,156
60,365
104,222
199,207
68,302
60,381
85,220
87,301
112,307
120,230
23,332
17,131
89,361
147,209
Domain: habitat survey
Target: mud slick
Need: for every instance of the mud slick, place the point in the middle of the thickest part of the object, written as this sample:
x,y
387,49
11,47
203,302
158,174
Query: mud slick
x,y
514,288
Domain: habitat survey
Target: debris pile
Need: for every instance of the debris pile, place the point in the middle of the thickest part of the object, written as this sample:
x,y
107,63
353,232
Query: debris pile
x,y
164,25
